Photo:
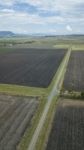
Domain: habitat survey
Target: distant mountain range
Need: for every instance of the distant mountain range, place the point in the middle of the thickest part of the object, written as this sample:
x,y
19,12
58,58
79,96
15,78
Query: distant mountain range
x,y
4,34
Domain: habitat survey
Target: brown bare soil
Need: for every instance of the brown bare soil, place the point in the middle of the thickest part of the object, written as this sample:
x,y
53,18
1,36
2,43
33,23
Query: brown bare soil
x,y
30,67
15,117
74,78
67,131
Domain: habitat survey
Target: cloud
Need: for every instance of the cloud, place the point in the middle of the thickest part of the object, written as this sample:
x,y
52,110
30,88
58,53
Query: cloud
x,y
6,2
68,27
42,16
7,11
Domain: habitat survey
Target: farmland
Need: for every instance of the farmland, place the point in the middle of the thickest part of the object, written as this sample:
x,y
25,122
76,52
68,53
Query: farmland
x,y
74,78
67,131
33,69
30,67
15,116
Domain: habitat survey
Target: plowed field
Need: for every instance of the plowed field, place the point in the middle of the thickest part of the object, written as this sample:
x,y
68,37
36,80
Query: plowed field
x,y
30,67
74,78
15,117
67,131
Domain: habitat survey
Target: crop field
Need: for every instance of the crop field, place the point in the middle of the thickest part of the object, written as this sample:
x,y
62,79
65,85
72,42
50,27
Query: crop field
x,y
74,78
15,117
67,131
30,67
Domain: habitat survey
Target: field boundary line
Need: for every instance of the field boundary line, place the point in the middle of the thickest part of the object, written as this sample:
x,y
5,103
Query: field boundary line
x,y
54,92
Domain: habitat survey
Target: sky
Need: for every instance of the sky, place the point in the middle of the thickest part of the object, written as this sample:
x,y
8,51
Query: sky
x,y
42,16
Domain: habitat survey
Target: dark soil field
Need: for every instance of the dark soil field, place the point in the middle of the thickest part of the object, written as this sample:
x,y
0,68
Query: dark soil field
x,y
15,117
74,78
30,67
67,131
